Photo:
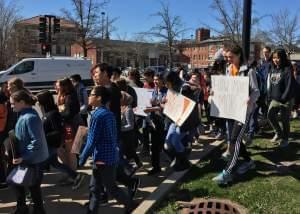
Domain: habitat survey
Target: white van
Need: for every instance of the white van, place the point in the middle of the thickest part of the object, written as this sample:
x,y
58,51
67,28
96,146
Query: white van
x,y
41,73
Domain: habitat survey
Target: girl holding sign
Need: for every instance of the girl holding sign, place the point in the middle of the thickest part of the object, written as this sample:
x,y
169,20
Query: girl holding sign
x,y
236,67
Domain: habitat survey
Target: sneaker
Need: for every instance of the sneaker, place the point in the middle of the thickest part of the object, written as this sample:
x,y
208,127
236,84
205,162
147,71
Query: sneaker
x,y
275,138
294,114
243,168
154,171
283,143
103,201
219,136
226,155
138,165
248,139
78,181
223,178
132,189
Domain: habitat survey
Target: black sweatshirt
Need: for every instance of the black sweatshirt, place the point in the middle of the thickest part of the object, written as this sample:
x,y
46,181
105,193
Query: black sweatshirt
x,y
280,83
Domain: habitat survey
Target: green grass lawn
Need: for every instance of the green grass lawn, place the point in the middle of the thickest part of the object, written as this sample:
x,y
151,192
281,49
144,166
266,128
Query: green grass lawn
x,y
271,188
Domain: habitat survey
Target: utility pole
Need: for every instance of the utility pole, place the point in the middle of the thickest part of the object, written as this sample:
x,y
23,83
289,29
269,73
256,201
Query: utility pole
x,y
246,28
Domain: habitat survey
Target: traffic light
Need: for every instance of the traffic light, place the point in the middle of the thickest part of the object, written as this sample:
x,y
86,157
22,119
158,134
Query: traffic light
x,y
45,48
56,26
43,29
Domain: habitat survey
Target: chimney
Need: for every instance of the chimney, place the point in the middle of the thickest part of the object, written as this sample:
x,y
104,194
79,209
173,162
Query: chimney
x,y
202,34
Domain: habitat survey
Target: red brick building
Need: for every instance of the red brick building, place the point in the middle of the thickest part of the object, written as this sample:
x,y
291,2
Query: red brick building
x,y
201,51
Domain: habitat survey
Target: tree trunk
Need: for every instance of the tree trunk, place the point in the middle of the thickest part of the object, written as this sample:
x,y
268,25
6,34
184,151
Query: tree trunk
x,y
170,58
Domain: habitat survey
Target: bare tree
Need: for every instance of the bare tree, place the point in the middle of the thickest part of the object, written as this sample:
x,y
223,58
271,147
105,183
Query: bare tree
x,y
8,18
169,29
285,29
229,15
86,14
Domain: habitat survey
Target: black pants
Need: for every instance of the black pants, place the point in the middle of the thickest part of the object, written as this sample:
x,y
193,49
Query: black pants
x,y
237,134
158,136
36,194
3,165
129,144
105,176
207,111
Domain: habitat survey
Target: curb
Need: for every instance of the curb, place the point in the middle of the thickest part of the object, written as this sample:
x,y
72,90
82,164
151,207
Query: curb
x,y
172,180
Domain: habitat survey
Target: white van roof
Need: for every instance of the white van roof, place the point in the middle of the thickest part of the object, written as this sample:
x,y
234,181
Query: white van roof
x,y
57,58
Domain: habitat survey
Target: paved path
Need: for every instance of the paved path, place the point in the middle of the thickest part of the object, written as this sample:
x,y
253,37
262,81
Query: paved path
x,y
61,199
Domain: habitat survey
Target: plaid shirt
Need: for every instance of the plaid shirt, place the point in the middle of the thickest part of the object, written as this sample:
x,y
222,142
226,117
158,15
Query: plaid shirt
x,y
102,138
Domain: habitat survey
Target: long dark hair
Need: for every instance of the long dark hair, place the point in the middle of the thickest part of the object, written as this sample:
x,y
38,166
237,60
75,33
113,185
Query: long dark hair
x,y
46,100
66,86
281,53
173,78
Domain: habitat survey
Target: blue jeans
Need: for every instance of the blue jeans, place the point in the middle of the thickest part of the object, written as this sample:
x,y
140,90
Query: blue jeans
x,y
174,138
253,122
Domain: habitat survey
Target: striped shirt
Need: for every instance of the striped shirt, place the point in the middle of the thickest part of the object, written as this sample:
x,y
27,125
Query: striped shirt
x,y
102,138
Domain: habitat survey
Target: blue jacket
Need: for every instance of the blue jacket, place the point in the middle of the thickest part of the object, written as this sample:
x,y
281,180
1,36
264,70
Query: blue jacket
x,y
32,144
102,138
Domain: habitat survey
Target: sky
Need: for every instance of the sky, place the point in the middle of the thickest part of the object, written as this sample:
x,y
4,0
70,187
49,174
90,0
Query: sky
x,y
134,16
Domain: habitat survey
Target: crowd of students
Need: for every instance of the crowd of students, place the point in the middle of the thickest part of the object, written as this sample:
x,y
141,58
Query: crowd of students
x,y
115,132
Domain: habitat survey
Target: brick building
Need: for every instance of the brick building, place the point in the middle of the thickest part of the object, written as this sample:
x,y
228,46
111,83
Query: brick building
x,y
123,53
201,51
27,39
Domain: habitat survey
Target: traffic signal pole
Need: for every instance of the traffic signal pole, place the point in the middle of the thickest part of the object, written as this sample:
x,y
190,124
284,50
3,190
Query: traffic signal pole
x,y
50,35
246,29
46,37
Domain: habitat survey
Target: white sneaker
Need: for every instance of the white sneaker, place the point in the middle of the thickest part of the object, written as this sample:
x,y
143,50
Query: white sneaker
x,y
275,138
222,178
243,168
226,155
294,114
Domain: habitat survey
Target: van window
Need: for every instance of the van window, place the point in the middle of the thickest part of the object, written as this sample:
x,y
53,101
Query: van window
x,y
23,68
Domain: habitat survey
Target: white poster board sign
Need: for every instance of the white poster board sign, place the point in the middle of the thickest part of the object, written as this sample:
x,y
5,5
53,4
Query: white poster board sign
x,y
143,100
230,95
178,107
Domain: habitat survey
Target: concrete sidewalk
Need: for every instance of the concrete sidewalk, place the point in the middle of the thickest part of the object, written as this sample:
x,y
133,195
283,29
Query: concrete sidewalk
x,y
62,199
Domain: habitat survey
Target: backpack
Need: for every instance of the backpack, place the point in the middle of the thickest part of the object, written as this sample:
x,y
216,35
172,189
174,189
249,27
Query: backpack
x,y
3,116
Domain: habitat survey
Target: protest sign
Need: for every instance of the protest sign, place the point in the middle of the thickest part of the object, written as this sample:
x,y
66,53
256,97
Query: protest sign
x,y
230,95
80,139
143,100
178,107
